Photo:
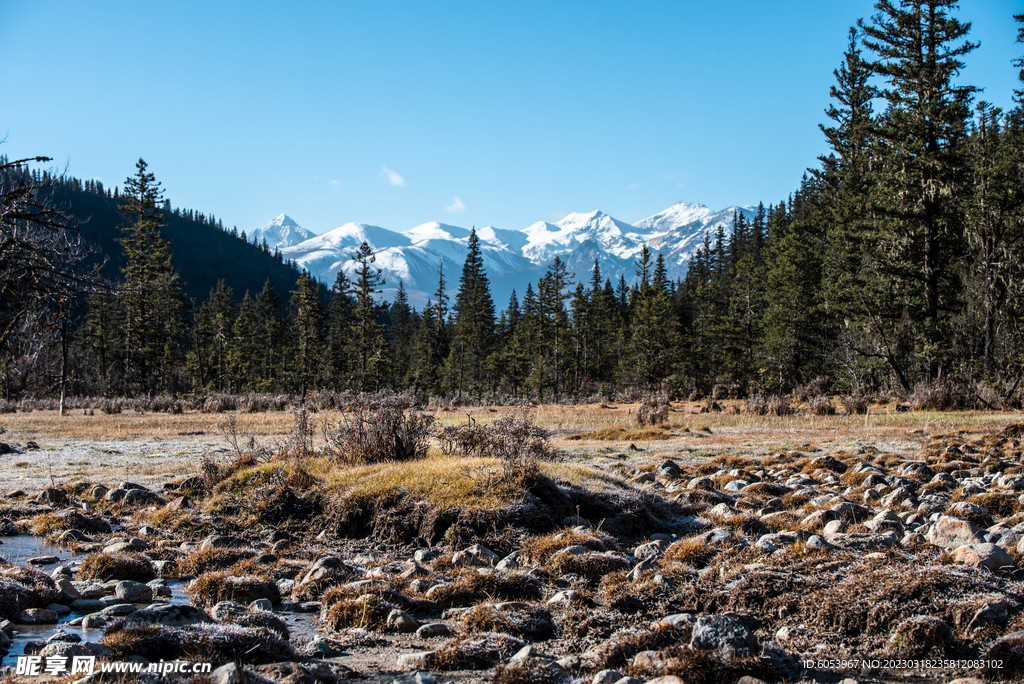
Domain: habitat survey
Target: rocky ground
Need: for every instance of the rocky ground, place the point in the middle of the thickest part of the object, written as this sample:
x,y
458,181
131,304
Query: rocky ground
x,y
824,561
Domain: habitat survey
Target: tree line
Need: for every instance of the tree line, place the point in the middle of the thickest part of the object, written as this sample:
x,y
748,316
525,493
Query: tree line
x,y
896,264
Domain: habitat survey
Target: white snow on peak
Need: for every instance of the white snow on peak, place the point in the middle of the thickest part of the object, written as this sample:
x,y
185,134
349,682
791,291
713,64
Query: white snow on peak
x,y
436,231
678,215
283,231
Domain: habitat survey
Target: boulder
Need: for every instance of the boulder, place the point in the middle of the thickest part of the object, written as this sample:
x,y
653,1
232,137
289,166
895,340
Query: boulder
x,y
988,556
952,533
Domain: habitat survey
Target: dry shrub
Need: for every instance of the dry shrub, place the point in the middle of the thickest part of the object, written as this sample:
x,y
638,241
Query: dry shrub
x,y
379,432
528,621
476,652
1001,505
213,587
822,406
942,395
219,403
756,405
210,560
650,414
780,406
473,587
855,405
368,611
119,566
812,390
538,549
745,523
694,552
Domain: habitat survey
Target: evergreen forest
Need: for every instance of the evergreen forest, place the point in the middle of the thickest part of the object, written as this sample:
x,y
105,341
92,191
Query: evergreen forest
x,y
896,266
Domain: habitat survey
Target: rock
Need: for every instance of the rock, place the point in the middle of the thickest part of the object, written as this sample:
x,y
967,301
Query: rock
x,y
230,673
223,542
476,555
747,679
326,570
992,613
649,550
43,560
952,533
173,615
94,621
988,556
261,604
667,679
607,677
419,660
818,542
834,527
510,562
576,521
724,634
433,630
59,608
133,592
862,542
36,616
563,598
400,621
53,496
227,611
414,678
181,503
117,610
424,556
320,647
819,519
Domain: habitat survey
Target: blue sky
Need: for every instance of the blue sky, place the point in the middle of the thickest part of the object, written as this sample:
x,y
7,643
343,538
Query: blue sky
x,y
471,113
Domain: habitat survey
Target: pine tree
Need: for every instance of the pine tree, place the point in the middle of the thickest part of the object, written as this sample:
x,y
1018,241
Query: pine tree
x,y
340,321
474,339
921,198
308,329
367,346
150,294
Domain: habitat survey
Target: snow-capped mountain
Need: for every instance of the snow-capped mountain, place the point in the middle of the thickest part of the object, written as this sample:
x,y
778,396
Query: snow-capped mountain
x,y
512,258
281,232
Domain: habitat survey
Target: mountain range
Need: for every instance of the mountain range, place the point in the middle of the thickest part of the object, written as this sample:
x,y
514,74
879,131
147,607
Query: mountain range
x,y
512,258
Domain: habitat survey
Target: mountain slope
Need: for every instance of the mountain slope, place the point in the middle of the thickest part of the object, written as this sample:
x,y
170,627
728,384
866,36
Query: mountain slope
x,y
282,232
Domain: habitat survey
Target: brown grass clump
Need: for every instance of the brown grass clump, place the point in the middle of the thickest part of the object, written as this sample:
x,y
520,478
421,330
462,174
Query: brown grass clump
x,y
119,566
476,652
210,642
213,587
694,552
540,548
591,565
626,643
621,434
1001,505
473,587
210,560
368,611
745,523
521,620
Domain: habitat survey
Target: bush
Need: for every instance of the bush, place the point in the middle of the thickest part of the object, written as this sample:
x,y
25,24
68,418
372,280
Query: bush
x,y
822,406
117,566
210,589
648,414
855,405
380,432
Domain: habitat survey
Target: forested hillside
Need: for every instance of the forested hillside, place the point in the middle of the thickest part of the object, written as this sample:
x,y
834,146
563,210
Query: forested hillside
x,y
895,266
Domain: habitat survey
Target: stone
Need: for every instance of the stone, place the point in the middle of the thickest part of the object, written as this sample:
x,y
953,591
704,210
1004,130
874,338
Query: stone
x,y
424,556
433,630
261,604
988,556
53,496
43,560
606,677
414,678
230,673
59,608
865,541
510,562
328,569
223,542
951,533
564,598
476,555
165,615
667,679
419,660
649,550
724,634
320,647
133,592
400,621
36,616
118,609
227,611
834,527
94,621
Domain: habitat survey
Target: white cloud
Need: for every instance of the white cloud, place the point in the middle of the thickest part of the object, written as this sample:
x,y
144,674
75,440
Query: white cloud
x,y
335,184
391,177
556,216
456,207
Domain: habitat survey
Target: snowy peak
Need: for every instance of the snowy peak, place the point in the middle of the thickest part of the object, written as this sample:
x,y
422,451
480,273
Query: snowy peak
x,y
679,215
282,232
546,240
436,231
